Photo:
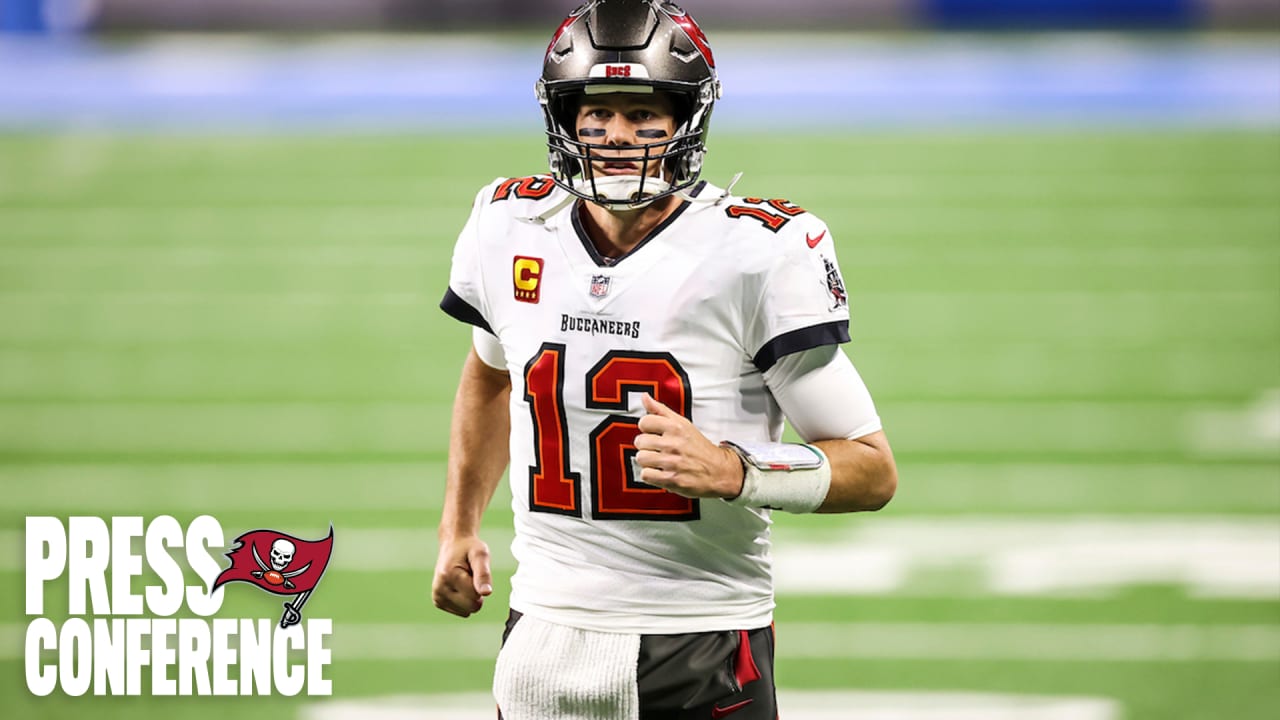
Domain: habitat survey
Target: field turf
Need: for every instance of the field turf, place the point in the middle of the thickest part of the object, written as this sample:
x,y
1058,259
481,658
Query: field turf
x,y
1067,335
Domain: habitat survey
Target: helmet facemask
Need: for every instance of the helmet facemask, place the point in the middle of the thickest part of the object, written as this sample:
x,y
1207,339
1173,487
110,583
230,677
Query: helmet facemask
x,y
677,157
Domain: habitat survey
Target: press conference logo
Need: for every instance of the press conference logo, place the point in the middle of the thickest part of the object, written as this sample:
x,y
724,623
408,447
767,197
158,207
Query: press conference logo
x,y
134,646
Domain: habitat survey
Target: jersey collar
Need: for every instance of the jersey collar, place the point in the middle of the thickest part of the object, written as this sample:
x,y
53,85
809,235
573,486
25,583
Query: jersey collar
x,y
602,261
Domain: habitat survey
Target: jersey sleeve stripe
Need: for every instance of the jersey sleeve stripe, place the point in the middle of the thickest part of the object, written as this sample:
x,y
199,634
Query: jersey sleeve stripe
x,y
460,309
832,333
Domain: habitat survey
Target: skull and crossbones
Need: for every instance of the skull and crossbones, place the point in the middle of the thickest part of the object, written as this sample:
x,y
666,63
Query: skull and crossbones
x,y
282,552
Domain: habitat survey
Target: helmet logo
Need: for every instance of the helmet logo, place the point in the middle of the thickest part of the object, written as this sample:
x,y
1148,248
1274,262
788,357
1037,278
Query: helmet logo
x,y
618,70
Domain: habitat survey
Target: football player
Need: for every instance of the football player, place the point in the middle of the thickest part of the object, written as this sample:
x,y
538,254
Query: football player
x,y
640,336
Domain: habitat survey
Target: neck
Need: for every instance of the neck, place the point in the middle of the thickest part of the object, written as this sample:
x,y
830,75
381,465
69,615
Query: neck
x,y
615,233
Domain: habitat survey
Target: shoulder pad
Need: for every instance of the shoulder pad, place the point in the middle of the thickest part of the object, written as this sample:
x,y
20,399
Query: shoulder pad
x,y
779,217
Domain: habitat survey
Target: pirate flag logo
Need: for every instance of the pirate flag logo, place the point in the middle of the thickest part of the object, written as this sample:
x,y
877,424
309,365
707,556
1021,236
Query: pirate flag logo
x,y
281,564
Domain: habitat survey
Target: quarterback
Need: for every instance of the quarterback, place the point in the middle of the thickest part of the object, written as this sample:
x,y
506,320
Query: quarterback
x,y
640,335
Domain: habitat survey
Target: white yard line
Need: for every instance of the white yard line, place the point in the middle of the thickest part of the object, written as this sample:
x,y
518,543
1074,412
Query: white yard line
x,y
1109,181
127,489
1025,557
793,704
340,256
1060,488
1053,642
293,255
954,642
214,210
1253,429
386,426
342,299
1133,210
1207,556
1062,642
1100,298
225,222
354,551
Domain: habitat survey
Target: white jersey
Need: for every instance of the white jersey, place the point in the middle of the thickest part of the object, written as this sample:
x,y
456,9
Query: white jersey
x,y
694,316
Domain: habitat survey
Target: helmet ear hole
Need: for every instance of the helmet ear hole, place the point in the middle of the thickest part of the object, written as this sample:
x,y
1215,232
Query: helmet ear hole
x,y
565,111
570,167
682,107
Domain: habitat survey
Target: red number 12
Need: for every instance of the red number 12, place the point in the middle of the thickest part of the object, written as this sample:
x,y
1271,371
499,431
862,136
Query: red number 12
x,y
616,494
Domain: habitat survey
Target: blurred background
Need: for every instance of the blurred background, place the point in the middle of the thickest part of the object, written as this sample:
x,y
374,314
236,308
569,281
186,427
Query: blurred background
x,y
225,226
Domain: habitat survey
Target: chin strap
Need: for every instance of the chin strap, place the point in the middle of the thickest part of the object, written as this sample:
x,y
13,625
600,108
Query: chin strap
x,y
728,190
541,219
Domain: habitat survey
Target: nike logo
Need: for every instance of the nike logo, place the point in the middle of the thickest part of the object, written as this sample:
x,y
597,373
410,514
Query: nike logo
x,y
813,241
718,712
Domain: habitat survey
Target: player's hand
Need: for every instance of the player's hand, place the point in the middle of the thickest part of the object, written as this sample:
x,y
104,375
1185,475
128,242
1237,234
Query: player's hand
x,y
463,578
676,456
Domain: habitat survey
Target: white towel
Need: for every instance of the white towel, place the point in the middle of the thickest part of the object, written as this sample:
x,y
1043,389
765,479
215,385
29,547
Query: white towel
x,y
553,672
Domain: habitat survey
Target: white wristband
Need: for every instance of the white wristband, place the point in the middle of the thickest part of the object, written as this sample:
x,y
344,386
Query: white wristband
x,y
782,476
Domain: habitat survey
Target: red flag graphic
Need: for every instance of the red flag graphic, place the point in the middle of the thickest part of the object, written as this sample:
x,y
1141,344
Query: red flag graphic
x,y
277,562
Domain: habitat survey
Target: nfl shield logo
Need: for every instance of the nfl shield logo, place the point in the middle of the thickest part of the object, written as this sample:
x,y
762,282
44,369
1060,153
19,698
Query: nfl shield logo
x,y
599,285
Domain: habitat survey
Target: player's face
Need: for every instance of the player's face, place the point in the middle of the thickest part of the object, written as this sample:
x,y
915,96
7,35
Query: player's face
x,y
622,121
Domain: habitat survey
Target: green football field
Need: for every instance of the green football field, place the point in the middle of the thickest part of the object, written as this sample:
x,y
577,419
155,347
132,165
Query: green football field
x,y
1073,340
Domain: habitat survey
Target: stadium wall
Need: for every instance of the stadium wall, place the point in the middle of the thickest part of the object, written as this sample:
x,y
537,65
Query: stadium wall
x,y
35,16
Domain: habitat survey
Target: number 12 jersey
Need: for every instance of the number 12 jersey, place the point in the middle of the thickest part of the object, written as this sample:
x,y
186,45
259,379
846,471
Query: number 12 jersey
x,y
695,316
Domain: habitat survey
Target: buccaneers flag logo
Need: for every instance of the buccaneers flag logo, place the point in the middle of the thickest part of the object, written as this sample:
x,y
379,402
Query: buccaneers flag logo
x,y
279,563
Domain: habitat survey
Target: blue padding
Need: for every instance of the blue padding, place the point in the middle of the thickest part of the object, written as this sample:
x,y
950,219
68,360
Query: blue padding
x,y
1031,14
834,82
21,16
